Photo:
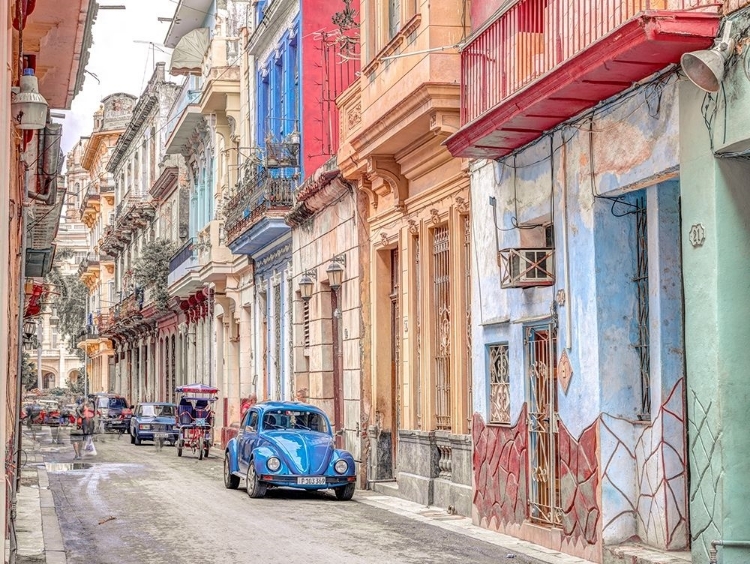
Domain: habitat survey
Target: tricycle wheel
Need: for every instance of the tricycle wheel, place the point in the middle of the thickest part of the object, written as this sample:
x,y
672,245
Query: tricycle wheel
x,y
255,488
200,453
179,448
231,482
205,451
344,493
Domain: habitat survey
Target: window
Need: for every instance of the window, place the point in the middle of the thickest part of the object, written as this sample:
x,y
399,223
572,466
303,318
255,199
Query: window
x,y
499,384
394,17
306,323
442,316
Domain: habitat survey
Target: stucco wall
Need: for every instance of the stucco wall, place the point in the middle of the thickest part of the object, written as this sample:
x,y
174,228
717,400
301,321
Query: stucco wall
x,y
627,147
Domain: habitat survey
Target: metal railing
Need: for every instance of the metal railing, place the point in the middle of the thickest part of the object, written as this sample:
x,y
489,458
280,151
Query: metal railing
x,y
533,37
257,193
183,254
89,192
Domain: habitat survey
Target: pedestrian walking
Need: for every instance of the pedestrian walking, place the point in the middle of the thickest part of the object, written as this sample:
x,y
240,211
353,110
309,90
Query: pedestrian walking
x,y
84,430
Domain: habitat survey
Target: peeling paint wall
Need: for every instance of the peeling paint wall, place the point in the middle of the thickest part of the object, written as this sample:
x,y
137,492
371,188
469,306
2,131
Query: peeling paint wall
x,y
592,172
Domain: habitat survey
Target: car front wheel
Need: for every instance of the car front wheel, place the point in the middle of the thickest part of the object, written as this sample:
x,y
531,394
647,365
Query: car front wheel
x,y
132,438
231,482
345,493
255,488
136,439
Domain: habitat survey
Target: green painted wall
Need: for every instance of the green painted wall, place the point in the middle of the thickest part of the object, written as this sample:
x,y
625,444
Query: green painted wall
x,y
716,193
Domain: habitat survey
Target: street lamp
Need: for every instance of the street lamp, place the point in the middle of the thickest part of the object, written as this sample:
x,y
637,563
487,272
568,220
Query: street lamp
x,y
29,330
306,284
335,271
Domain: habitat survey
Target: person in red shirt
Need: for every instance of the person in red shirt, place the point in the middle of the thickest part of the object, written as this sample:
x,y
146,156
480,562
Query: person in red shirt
x,y
246,404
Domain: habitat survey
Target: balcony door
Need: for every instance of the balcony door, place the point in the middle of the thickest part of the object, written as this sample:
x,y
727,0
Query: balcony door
x,y
395,319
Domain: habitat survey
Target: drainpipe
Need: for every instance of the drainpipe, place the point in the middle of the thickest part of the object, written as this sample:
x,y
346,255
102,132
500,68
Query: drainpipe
x,y
713,551
566,254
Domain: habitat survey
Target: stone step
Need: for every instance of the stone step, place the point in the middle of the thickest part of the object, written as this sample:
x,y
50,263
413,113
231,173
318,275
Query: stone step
x,y
634,553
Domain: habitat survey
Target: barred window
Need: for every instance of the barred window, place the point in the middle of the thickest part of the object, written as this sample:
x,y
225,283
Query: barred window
x,y
499,384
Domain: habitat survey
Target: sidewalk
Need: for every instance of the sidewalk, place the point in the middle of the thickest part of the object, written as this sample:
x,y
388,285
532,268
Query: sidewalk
x,y
521,552
37,528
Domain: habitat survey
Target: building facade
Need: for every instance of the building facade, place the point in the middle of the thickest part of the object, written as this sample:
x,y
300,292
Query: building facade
x,y
414,249
579,426
96,195
27,251
132,240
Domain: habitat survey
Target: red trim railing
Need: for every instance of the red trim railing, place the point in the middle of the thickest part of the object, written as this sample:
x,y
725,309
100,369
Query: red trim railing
x,y
532,37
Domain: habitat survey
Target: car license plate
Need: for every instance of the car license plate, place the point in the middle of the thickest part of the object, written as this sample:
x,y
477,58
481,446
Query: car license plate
x,y
312,481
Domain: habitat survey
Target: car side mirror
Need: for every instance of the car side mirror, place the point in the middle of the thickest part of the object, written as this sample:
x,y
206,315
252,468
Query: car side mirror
x,y
132,407
339,433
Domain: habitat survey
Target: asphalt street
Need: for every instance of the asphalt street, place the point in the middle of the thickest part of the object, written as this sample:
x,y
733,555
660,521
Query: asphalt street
x,y
137,504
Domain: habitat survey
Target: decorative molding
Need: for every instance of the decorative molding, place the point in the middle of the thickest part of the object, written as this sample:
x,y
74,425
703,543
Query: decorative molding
x,y
387,168
413,227
462,204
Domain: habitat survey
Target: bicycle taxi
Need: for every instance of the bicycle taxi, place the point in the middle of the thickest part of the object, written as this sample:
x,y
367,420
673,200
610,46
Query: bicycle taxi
x,y
195,418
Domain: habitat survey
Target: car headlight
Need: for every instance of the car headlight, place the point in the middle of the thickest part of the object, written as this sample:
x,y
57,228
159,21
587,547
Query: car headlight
x,y
273,464
341,466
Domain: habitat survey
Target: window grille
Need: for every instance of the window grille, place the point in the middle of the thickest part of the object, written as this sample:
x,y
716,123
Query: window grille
x,y
396,335
467,309
499,384
306,323
277,338
641,284
442,320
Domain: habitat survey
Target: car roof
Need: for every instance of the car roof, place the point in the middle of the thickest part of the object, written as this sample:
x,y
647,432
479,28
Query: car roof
x,y
298,405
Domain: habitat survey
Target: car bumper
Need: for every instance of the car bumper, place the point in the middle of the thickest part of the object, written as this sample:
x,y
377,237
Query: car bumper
x,y
148,435
116,423
291,482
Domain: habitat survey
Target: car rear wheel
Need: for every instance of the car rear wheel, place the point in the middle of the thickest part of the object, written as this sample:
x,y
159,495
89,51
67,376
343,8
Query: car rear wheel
x,y
345,493
231,482
255,488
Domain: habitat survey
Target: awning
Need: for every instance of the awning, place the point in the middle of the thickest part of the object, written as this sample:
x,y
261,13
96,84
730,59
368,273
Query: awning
x,y
187,57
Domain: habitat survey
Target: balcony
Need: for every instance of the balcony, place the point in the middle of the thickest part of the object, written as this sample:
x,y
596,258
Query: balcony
x,y
183,118
88,269
214,258
90,205
182,266
255,215
541,62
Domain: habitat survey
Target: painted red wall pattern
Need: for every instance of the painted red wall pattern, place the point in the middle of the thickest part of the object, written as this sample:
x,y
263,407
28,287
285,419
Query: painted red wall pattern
x,y
500,471
579,484
500,478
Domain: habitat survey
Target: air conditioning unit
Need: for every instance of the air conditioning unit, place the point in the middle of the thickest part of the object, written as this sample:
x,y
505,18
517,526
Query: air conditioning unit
x,y
525,268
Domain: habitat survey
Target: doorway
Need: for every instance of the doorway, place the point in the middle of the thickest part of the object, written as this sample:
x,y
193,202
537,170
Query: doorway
x,y
543,453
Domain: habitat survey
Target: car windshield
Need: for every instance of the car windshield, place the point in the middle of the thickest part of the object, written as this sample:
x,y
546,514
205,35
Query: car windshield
x,y
117,402
158,411
295,419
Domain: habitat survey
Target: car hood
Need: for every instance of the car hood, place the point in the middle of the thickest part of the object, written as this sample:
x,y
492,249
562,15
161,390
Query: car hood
x,y
305,452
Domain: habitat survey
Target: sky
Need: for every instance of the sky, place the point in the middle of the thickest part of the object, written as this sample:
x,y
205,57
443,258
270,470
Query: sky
x,y
118,59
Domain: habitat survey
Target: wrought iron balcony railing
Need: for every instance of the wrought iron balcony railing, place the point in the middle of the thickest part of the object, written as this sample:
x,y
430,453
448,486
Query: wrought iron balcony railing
x,y
184,253
533,37
90,194
258,195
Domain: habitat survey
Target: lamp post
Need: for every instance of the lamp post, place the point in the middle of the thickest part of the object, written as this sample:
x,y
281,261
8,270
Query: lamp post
x,y
39,334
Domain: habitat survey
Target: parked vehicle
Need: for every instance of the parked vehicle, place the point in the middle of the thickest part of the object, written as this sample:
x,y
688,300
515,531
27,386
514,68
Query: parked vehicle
x,y
42,412
154,422
288,444
113,412
195,418
68,414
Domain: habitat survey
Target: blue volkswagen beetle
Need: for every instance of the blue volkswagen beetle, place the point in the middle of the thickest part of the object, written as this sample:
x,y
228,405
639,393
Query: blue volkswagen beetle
x,y
288,444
